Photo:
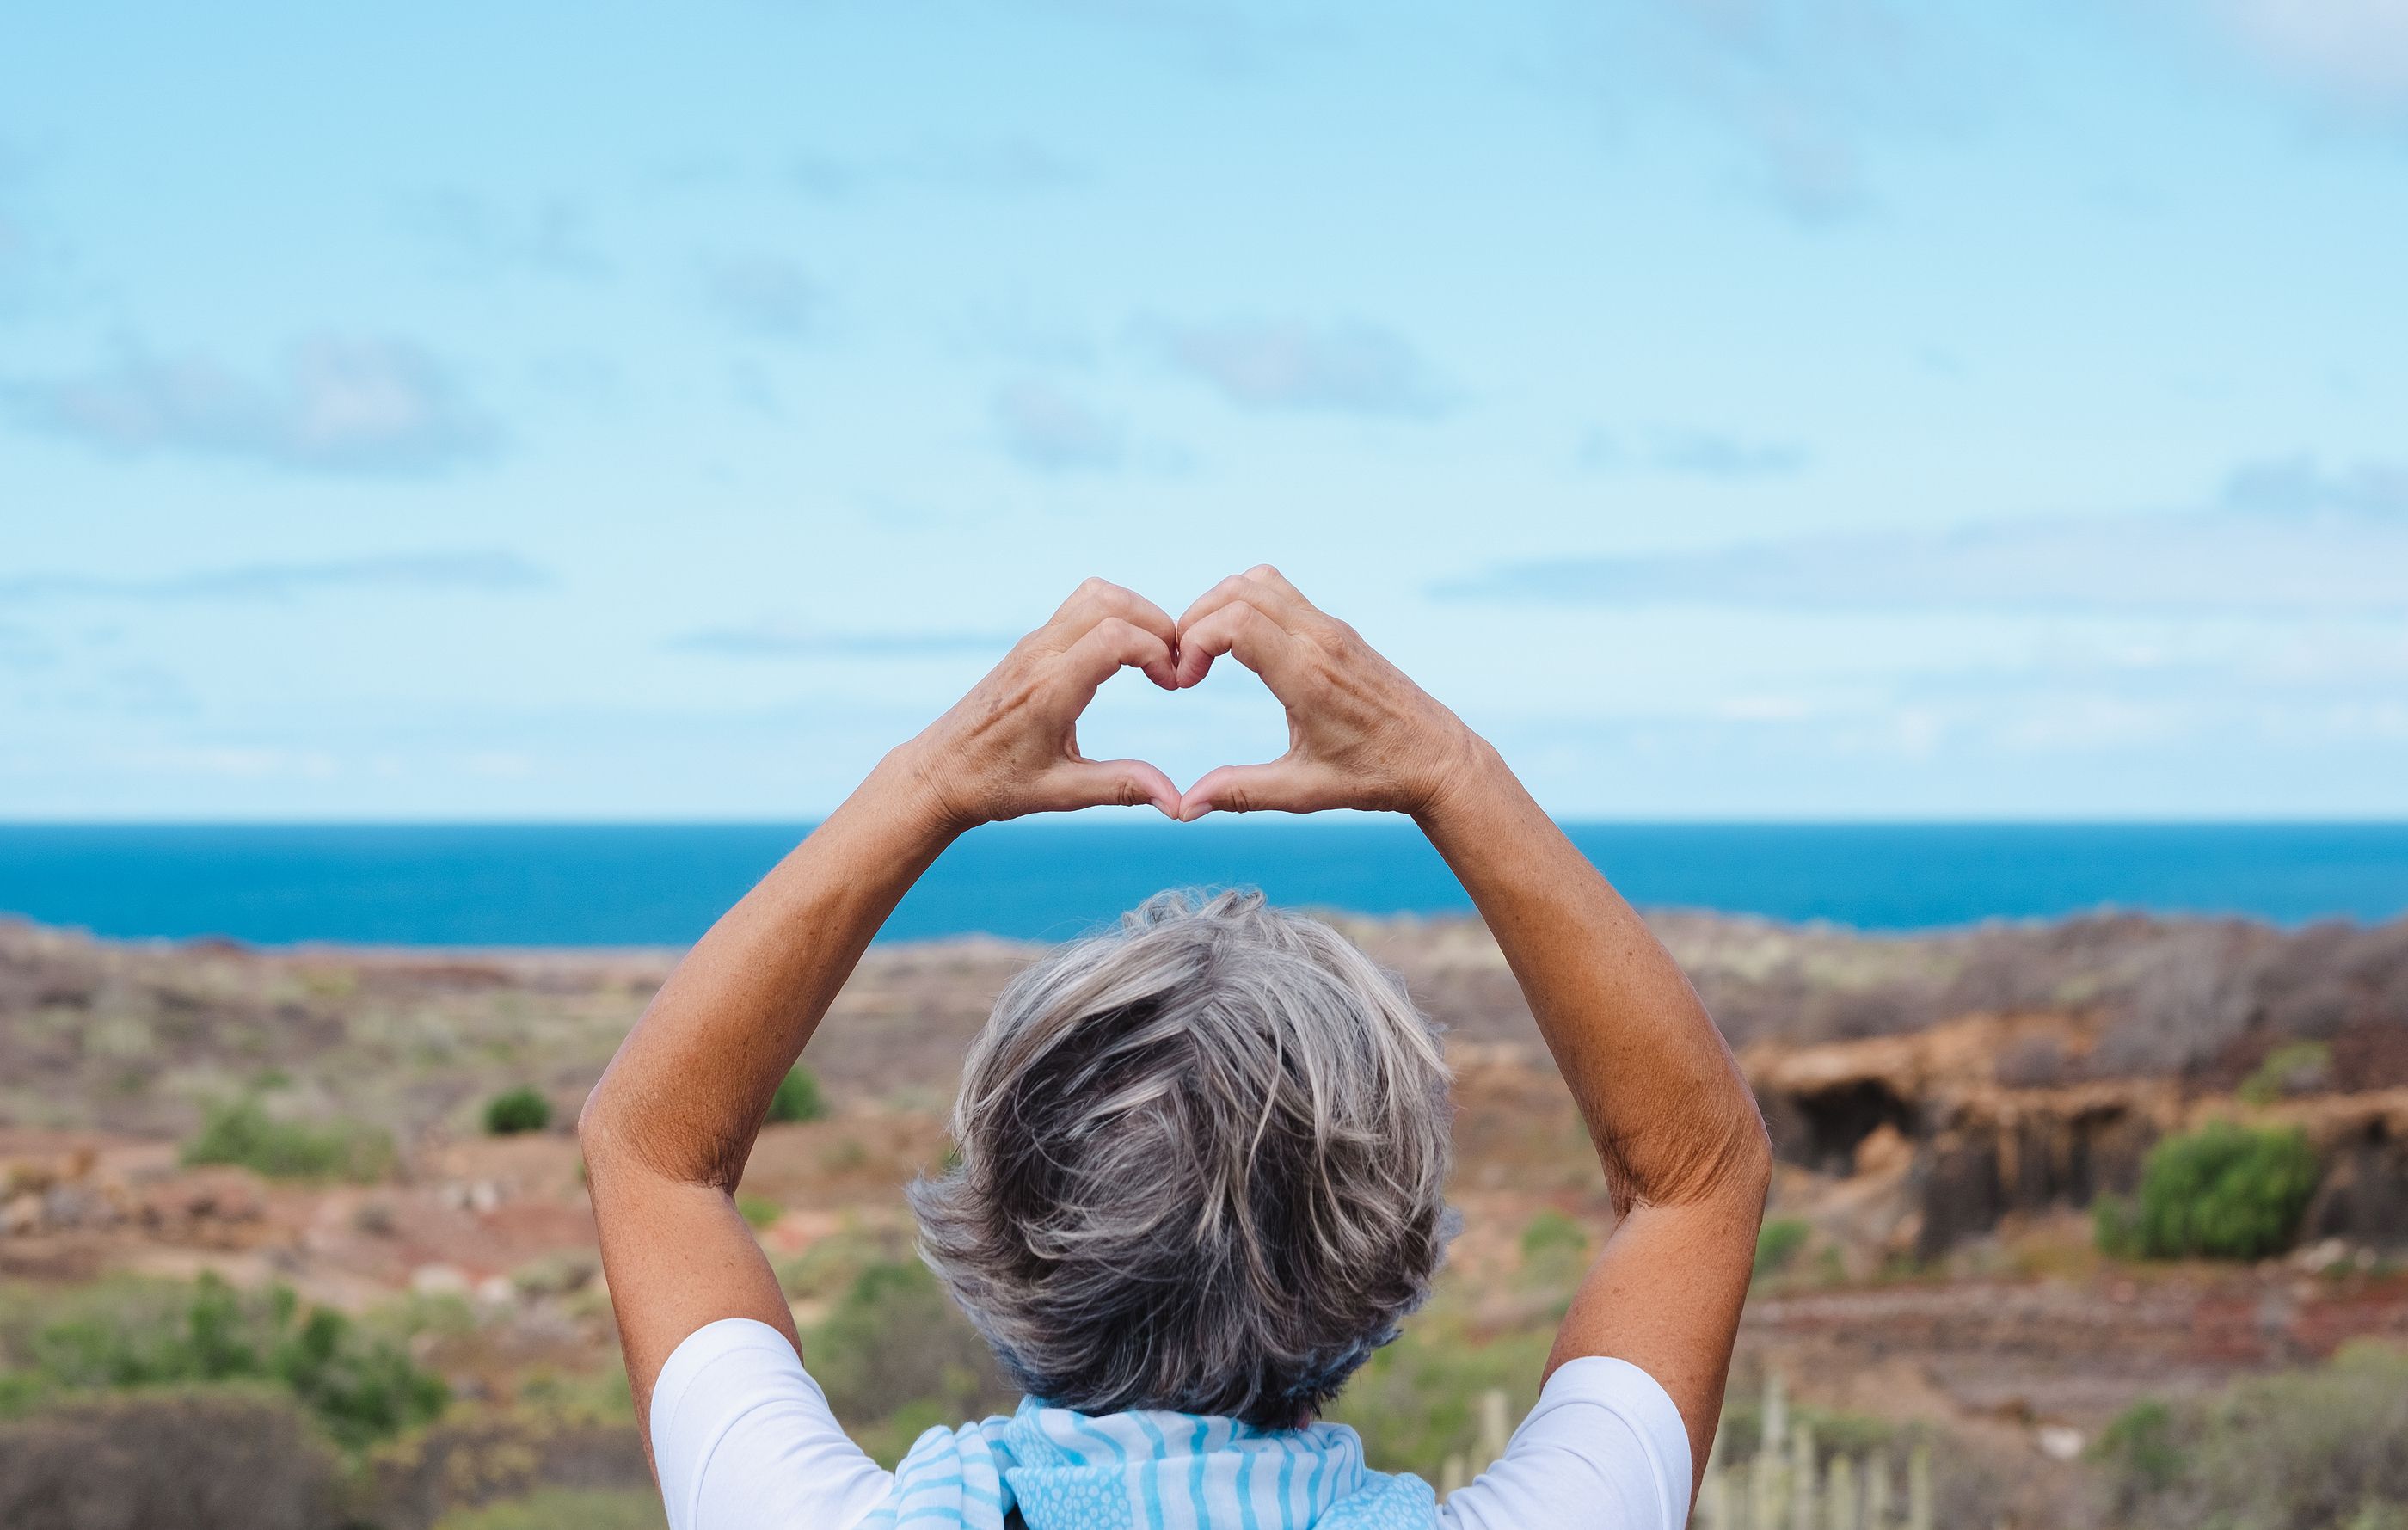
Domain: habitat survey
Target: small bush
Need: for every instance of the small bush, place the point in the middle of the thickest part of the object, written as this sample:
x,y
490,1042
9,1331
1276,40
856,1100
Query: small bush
x,y
2295,1067
359,1388
564,1508
2140,1448
827,1269
2316,1449
245,1135
2115,1227
758,1210
798,1098
2225,1192
895,1345
522,1110
1777,1243
195,1458
1416,1401
1552,1235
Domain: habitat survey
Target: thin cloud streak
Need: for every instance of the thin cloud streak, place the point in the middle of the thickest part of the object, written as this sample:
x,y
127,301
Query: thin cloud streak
x,y
2357,49
334,405
769,640
2285,538
492,572
1047,429
766,296
1704,453
1284,364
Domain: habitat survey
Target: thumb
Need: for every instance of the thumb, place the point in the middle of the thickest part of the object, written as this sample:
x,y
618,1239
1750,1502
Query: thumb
x,y
1282,786
1106,783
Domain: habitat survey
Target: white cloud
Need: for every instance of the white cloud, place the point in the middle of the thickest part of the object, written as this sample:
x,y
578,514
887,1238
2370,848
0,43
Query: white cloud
x,y
1047,429
2358,47
553,236
334,405
2285,537
1801,88
1005,167
1350,367
471,570
774,639
1705,453
768,296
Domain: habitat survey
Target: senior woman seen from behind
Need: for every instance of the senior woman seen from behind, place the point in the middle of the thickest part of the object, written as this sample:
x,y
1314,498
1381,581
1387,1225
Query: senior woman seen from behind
x,y
1202,1156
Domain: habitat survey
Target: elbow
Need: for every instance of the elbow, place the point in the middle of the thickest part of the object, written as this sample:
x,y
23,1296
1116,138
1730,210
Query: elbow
x,y
1748,1162
597,1126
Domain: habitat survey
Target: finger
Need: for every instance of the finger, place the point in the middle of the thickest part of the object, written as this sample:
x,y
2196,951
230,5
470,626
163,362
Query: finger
x,y
1099,600
1241,629
1277,600
1264,574
1109,645
1282,786
1106,783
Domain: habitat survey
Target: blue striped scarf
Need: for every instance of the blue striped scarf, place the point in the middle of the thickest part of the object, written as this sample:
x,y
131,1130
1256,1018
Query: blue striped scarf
x,y
1146,1471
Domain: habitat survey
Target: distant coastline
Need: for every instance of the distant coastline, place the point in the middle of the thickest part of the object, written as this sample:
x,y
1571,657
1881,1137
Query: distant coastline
x,y
662,884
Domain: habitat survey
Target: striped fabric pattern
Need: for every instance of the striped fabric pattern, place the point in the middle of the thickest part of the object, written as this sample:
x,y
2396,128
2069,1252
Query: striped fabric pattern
x,y
1146,1471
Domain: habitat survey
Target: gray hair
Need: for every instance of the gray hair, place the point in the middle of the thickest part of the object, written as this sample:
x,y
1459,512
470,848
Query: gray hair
x,y
1202,1166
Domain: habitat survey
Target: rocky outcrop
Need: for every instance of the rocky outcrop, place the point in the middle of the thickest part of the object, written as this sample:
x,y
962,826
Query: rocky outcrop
x,y
1938,1117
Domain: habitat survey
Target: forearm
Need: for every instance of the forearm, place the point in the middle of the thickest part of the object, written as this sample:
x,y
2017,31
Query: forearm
x,y
1672,1118
687,1091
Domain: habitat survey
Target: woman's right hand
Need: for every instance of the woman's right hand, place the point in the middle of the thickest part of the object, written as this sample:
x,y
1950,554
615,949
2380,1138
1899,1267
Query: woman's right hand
x,y
1360,734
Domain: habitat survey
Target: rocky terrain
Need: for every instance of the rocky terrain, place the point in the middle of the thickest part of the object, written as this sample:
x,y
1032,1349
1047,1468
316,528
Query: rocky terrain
x,y
1944,1106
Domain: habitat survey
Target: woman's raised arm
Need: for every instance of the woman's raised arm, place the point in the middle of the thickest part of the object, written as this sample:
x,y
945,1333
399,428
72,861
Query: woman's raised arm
x,y
1674,1124
669,1128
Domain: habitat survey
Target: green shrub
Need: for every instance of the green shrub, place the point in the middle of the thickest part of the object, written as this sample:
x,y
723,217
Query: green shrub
x,y
1550,1234
896,1354
229,1457
758,1210
828,1268
2139,1447
1416,1401
522,1110
244,1134
1777,1243
2315,1449
1554,1251
2115,1227
360,1388
2226,1192
798,1098
564,1509
2294,1066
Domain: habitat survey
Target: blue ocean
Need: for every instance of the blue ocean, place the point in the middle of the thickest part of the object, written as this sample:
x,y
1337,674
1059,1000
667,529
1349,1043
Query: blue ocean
x,y
662,885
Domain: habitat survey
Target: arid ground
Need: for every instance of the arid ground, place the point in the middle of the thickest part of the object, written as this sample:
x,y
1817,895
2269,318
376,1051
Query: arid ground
x,y
1947,1108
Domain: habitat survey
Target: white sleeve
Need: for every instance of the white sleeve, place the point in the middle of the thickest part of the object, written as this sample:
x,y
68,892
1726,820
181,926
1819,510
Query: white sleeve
x,y
743,1438
1604,1450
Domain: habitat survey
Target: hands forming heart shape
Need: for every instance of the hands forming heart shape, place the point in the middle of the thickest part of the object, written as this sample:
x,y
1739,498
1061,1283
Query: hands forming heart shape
x,y
1360,734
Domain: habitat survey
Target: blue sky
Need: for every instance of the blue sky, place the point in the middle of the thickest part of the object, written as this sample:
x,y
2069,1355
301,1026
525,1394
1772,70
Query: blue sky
x,y
1736,408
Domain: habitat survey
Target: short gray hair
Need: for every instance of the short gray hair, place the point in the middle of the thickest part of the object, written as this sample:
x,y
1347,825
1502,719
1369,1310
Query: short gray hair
x,y
1202,1166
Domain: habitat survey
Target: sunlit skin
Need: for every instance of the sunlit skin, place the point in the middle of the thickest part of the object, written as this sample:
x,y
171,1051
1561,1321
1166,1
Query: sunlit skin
x,y
667,1130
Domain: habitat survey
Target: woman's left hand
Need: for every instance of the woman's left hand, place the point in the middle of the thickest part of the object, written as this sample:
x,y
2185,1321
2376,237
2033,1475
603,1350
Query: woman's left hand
x,y
1011,747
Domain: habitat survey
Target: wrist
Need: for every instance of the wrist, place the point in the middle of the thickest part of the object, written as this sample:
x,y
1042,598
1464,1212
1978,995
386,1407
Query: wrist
x,y
1470,774
901,791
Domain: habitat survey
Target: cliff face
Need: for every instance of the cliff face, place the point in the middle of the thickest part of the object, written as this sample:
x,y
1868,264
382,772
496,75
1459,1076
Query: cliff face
x,y
1936,1127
